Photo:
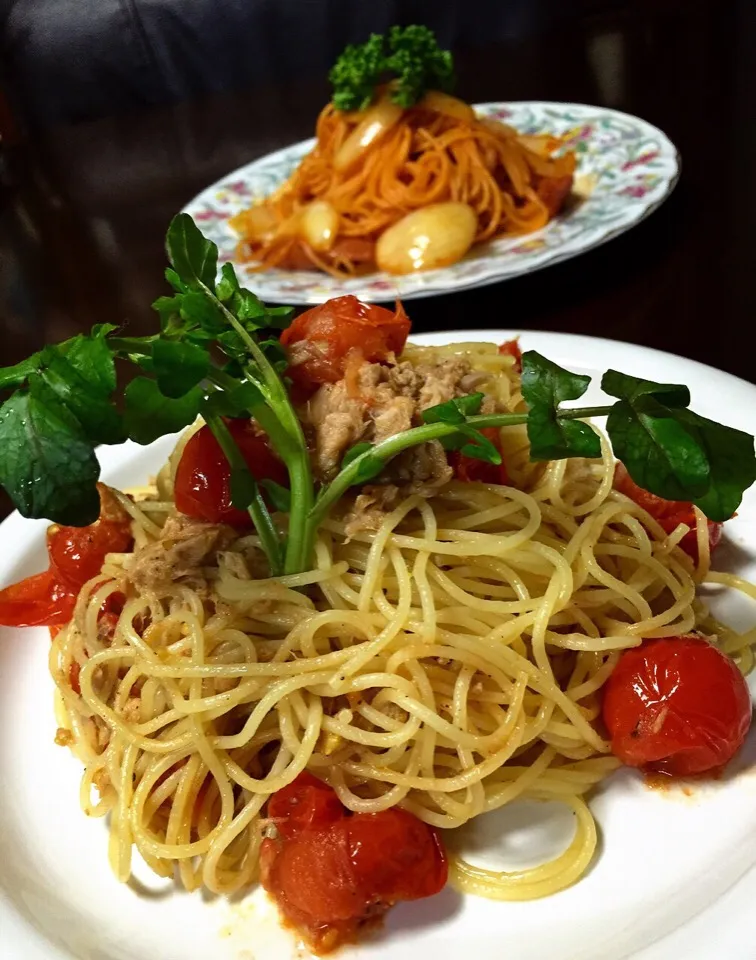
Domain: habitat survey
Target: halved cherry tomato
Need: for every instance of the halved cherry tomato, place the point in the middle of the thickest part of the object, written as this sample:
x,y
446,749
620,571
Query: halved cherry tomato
x,y
203,476
331,872
511,348
469,469
76,555
676,705
337,332
39,600
395,856
306,804
669,513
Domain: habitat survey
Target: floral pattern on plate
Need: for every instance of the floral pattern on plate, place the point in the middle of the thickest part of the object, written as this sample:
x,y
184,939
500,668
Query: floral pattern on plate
x,y
626,168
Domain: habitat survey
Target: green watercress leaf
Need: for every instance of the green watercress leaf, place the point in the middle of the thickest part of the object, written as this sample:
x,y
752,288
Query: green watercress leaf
x,y
545,385
625,387
194,258
179,366
278,495
48,468
149,414
454,411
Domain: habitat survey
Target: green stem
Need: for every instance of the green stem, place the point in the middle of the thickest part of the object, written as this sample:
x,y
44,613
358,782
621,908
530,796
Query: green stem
x,y
294,453
388,449
384,451
583,413
258,511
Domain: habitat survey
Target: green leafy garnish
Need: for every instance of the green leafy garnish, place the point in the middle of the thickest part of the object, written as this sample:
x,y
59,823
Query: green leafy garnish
x,y
544,386
217,355
409,57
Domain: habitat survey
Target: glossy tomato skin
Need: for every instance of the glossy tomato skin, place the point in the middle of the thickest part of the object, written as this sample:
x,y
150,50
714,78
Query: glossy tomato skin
x,y
395,856
76,555
305,804
669,513
37,601
339,332
203,477
332,872
676,705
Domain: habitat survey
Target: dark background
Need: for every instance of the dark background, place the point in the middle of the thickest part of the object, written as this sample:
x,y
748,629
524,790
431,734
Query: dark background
x,y
117,112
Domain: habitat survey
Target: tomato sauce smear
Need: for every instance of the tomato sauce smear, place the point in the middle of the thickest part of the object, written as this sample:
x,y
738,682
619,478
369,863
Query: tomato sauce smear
x,y
334,874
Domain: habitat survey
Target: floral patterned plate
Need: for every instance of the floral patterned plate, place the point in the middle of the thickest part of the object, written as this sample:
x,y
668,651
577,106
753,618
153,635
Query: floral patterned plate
x,y
626,168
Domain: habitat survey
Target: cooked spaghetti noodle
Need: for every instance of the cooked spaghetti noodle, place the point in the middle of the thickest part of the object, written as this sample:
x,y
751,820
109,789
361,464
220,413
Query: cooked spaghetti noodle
x,y
448,662
369,170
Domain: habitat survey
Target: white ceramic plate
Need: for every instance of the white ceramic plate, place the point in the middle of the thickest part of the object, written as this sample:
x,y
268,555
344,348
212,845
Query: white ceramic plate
x,y
626,168
675,875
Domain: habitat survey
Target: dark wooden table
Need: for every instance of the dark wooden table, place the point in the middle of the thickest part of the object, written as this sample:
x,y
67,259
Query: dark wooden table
x,y
83,208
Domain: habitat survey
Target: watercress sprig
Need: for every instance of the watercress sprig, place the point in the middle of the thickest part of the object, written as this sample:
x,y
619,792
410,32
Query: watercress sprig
x,y
217,355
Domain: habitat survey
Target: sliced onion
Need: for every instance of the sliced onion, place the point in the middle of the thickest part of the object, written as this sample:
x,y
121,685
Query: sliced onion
x,y
433,236
450,106
375,122
319,224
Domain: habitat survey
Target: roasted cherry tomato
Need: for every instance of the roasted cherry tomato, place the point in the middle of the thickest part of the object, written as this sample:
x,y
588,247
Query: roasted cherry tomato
x,y
306,804
511,348
676,705
468,468
39,600
669,513
331,872
76,555
323,341
203,476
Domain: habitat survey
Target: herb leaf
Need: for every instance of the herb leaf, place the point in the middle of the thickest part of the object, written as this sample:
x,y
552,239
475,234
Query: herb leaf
x,y
455,410
194,258
280,497
544,386
48,468
149,414
732,464
660,453
179,366
625,387
17,375
58,383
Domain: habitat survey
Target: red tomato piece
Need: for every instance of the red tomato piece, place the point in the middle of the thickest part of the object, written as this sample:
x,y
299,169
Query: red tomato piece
x,y
511,348
669,513
468,468
395,856
203,476
338,331
76,555
306,804
676,705
332,873
38,601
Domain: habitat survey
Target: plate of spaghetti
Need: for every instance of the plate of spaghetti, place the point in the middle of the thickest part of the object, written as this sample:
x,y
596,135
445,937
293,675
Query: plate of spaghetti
x,y
408,191
372,642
